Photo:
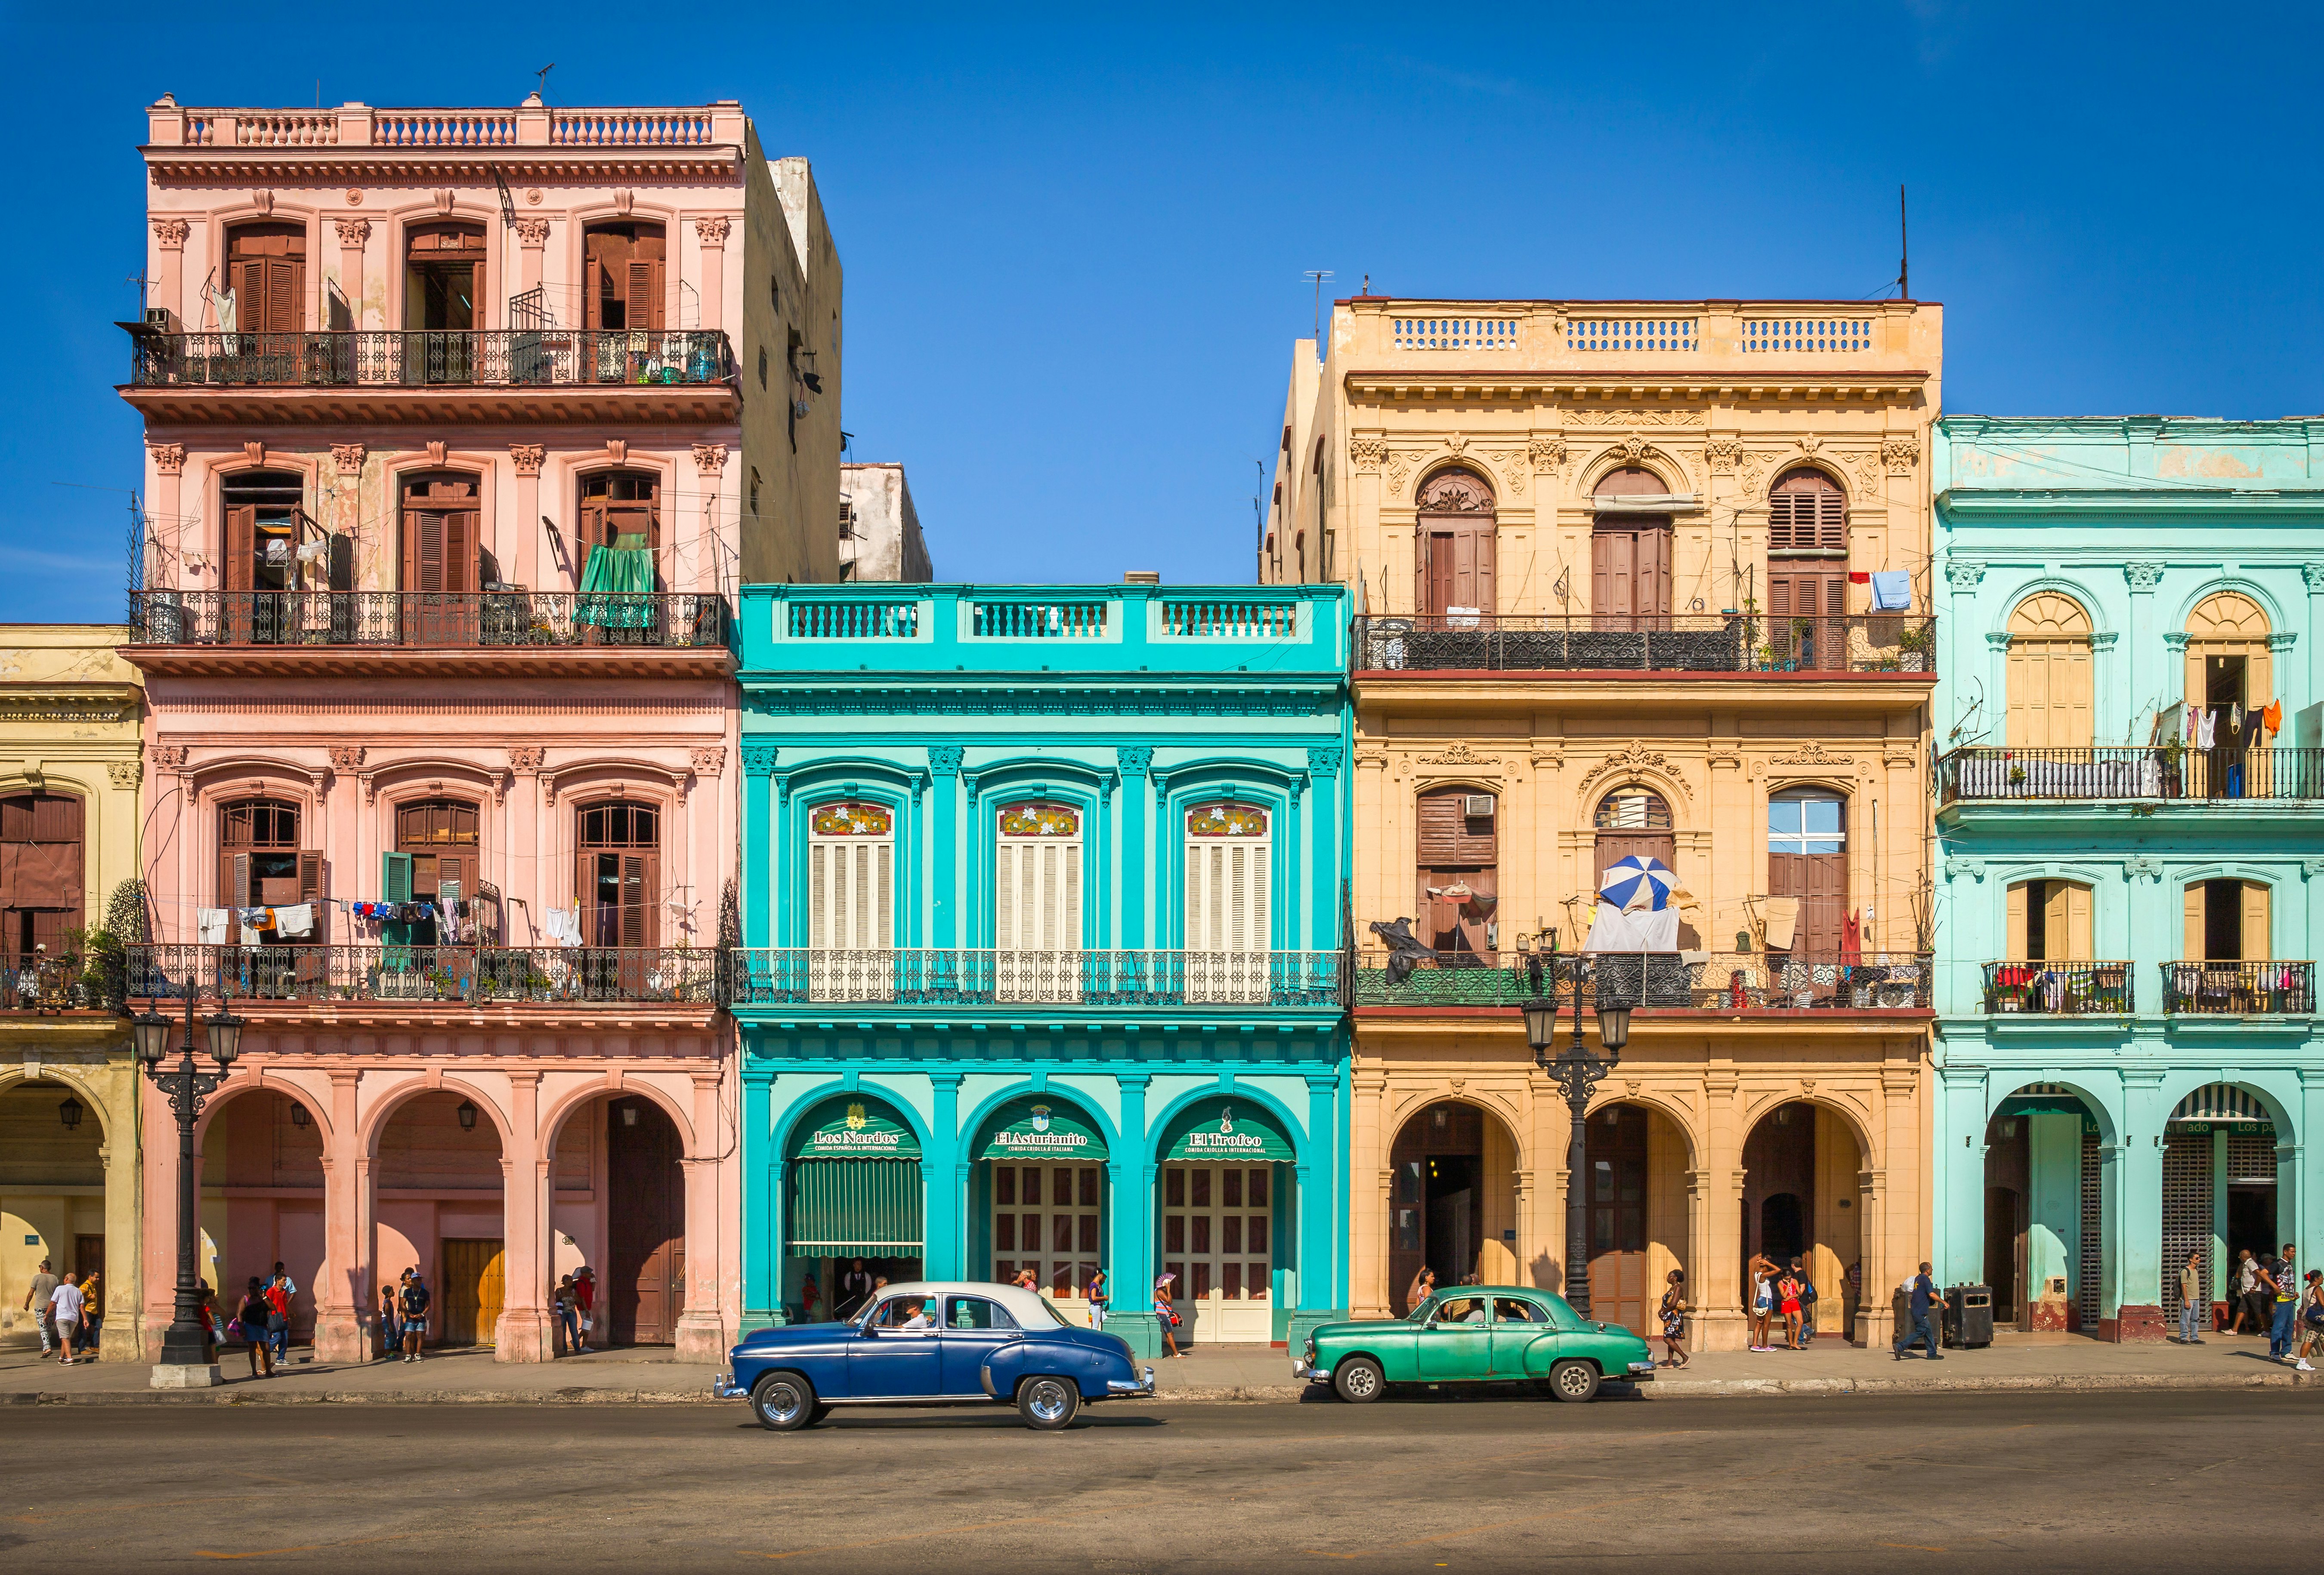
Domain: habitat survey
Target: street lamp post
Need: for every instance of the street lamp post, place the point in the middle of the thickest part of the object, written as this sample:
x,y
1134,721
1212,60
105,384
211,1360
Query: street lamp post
x,y
1577,1071
185,1353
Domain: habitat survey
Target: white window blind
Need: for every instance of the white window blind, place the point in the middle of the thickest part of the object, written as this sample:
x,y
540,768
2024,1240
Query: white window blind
x,y
1038,918
851,917
1227,918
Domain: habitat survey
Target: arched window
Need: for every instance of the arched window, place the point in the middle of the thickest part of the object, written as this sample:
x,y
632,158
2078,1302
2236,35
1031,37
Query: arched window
x,y
266,269
443,280
443,564
1455,544
2049,921
264,526
2049,673
615,504
262,866
851,877
1630,546
2229,677
1036,902
436,861
1459,873
1807,870
618,881
622,287
1228,908
1807,569
41,875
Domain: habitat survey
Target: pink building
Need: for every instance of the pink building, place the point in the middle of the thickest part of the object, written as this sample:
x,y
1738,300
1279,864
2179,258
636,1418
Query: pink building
x,y
462,427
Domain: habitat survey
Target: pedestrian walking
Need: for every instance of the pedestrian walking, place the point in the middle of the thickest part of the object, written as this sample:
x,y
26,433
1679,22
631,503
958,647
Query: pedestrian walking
x,y
390,1322
65,1305
415,1299
584,1302
36,1301
92,1313
1762,1272
1672,1313
2242,1283
1807,1302
2311,1320
1097,1299
1423,1286
278,1316
2282,1278
1924,1300
1027,1280
250,1319
2192,1294
1165,1314
810,1298
1787,1293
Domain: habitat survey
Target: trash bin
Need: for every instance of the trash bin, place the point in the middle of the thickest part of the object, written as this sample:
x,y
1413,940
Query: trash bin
x,y
1968,1317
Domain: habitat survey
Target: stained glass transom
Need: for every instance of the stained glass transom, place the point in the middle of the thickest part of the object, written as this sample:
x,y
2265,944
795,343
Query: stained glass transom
x,y
1041,820
1226,821
850,819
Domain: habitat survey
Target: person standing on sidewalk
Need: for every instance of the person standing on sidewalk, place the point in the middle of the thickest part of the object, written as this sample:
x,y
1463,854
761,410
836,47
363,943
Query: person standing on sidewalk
x,y
251,1318
1166,1315
569,1315
2282,1276
1672,1313
1762,1272
278,1316
2311,1320
2239,1294
37,1302
585,1297
415,1314
1097,1299
92,1310
65,1305
1807,1302
1787,1292
390,1329
2191,1296
1924,1301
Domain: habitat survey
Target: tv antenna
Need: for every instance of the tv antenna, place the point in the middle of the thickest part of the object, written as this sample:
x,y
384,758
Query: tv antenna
x,y
1904,249
543,75
1318,277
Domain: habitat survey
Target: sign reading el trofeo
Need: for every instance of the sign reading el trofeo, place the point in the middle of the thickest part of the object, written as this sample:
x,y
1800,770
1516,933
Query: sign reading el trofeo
x,y
1220,1134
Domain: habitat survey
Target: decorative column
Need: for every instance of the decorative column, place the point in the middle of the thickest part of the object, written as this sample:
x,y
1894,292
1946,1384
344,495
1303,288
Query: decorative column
x,y
524,1332
2130,1309
2313,573
2145,685
710,461
522,541
701,1323
1319,1213
1323,931
343,1290
532,234
763,1198
1963,577
168,287
946,1169
943,772
354,234
1717,1297
1369,1179
760,831
712,233
1130,1272
1135,763
1959,1177
168,529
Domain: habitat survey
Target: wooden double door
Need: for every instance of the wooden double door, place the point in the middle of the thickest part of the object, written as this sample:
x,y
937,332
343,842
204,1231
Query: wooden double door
x,y
1615,1147
474,1286
645,1271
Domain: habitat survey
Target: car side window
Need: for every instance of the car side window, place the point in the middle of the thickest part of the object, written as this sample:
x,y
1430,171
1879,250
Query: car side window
x,y
976,1312
1518,1310
1461,1310
901,1313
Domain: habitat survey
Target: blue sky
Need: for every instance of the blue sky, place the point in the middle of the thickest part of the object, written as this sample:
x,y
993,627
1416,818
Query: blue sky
x,y
1074,243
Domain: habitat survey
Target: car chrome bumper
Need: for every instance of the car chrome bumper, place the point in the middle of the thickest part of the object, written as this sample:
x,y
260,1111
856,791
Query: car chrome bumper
x,y
1642,1373
724,1387
1313,1375
1140,1387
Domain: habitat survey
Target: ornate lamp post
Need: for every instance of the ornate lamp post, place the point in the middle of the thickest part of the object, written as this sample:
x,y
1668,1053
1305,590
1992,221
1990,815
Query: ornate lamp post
x,y
1577,1071
185,1355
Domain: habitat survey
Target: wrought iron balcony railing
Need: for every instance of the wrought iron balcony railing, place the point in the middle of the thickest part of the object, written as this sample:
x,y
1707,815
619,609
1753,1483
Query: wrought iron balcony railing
x,y
1704,981
2129,772
64,982
433,358
1624,641
2240,989
800,976
2073,989
497,619
542,975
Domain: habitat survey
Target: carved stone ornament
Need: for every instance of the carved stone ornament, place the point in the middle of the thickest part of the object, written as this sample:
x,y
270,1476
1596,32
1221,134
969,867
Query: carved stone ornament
x,y
1459,753
1456,442
169,458
1964,574
1455,492
532,232
526,757
2138,864
346,756
758,757
706,761
253,452
1900,454
263,201
355,197
348,457
943,759
436,451
170,757
1813,753
617,450
125,773
353,232
1398,466
1755,470
533,196
2313,573
1634,448
1323,759
710,459
2312,867
171,233
1639,417
1724,453
1637,758
1869,474
1547,454
444,200
2143,575
1513,468
1365,454
713,232
528,457
1810,443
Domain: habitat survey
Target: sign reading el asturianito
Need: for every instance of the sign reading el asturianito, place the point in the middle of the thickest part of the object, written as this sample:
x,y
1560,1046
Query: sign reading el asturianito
x,y
1040,1129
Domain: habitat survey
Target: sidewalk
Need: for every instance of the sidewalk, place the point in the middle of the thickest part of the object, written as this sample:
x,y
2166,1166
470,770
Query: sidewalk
x,y
1227,1373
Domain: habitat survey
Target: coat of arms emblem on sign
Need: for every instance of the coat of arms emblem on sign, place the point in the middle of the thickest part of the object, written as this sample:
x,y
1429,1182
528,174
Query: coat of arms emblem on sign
x,y
1040,1118
855,1118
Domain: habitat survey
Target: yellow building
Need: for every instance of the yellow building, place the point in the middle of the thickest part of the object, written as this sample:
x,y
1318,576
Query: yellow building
x,y
1617,567
70,711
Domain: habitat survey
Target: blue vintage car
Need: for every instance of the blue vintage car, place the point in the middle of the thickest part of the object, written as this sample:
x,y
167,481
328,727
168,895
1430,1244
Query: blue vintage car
x,y
952,1343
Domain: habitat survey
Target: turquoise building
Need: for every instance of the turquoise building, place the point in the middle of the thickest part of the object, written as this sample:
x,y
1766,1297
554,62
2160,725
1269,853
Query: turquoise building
x,y
1044,903
2130,858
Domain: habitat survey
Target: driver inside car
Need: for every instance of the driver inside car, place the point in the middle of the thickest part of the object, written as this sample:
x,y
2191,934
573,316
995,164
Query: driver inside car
x,y
919,1318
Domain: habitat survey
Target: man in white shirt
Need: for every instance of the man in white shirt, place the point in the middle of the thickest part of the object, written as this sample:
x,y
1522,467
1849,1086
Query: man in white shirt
x,y
65,1305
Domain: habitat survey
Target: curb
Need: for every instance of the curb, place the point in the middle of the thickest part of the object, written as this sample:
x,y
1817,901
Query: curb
x,y
1993,1384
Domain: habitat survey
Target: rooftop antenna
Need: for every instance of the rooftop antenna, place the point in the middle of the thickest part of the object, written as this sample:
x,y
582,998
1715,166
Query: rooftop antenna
x,y
1904,249
1316,276
543,75
508,203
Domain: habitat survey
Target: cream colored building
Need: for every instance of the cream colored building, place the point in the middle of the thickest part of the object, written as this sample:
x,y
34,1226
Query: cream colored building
x,y
70,771
1617,565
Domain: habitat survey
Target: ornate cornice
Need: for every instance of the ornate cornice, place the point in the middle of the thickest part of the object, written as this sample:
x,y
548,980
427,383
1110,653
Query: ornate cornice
x,y
1637,758
713,232
189,167
22,705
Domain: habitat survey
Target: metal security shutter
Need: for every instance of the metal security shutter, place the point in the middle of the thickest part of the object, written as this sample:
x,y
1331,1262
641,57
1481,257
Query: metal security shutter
x,y
839,1208
2186,1212
2089,1258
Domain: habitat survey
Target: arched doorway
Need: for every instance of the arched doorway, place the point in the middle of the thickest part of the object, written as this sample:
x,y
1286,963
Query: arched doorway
x,y
1454,546
853,1205
1630,550
1802,1199
441,1210
2230,680
1807,569
617,1207
262,1202
2219,1195
51,1196
2043,1251
1452,1199
1638,1162
1040,1187
1223,1220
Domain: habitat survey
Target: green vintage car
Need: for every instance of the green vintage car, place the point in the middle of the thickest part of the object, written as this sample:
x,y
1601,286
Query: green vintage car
x,y
1476,1334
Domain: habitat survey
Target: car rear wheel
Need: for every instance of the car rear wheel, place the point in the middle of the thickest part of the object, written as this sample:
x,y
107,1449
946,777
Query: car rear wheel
x,y
783,1401
1048,1405
1573,1381
1359,1381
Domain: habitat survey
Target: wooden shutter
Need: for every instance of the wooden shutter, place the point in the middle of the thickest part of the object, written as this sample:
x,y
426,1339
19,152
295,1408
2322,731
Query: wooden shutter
x,y
643,292
2065,923
2257,947
1823,907
2077,923
640,893
2017,943
1603,574
1439,584
423,551
396,877
238,882
460,550
585,897
1038,894
1445,835
240,548
2192,943
850,895
1227,893
1806,513
604,252
1472,568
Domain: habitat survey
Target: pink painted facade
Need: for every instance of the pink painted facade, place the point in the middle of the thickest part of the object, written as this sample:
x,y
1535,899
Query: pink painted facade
x,y
403,373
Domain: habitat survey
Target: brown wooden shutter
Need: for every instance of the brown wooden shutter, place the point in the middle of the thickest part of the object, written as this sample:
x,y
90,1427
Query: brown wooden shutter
x,y
1445,836
593,276
585,896
642,293
238,883
1779,596
460,550
285,286
1602,574
241,548
637,898
1439,580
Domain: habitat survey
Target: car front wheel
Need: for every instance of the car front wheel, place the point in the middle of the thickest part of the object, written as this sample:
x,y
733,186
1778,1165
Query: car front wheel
x,y
1048,1405
1359,1381
783,1401
1573,1381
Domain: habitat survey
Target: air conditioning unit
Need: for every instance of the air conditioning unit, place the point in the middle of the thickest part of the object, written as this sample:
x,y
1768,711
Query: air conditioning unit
x,y
162,320
1477,806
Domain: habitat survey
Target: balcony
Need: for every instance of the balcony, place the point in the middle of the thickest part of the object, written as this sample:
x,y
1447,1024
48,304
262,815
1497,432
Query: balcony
x,y
430,977
1598,643
2240,989
2070,989
1719,981
50,987
2166,772
1004,979
351,631
538,373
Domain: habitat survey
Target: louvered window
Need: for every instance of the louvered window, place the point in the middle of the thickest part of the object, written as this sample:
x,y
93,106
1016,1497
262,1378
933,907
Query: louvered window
x,y
1227,903
850,869
1807,513
1038,903
266,268
261,865
625,273
1458,874
619,881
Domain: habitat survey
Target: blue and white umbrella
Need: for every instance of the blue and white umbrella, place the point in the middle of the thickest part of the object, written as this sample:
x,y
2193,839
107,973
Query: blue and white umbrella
x,y
1636,882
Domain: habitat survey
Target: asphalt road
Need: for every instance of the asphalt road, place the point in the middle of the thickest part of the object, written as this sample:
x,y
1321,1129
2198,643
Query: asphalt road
x,y
2118,1482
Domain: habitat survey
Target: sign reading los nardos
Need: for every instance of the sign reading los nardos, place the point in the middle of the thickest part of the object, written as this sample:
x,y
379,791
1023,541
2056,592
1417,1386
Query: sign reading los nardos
x,y
857,1130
